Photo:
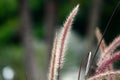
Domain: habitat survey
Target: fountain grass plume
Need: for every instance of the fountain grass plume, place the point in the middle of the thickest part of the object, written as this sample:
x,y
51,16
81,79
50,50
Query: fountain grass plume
x,y
99,37
103,46
58,51
102,76
110,49
107,62
108,54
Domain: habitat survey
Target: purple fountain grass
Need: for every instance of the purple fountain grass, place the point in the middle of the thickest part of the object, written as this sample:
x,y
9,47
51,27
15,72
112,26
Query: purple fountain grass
x,y
104,75
64,34
114,44
53,61
59,47
104,66
99,37
107,62
104,69
101,72
103,46
110,49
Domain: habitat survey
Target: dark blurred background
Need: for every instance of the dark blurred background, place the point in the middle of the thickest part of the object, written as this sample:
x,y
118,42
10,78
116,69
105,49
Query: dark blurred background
x,y
27,31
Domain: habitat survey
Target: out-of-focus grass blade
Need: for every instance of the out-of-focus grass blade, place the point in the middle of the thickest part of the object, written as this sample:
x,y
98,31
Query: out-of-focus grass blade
x,y
88,63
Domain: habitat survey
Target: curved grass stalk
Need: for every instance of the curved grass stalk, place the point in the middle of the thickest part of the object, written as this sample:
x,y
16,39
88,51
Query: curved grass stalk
x,y
59,47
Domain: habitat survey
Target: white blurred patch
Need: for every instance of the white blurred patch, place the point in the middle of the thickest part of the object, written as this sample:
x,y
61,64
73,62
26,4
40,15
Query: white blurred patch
x,y
8,73
77,43
73,75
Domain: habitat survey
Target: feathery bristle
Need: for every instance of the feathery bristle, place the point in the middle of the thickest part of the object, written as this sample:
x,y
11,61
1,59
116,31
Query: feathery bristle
x,y
58,51
107,62
107,26
64,34
102,49
104,75
99,37
109,49
53,61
